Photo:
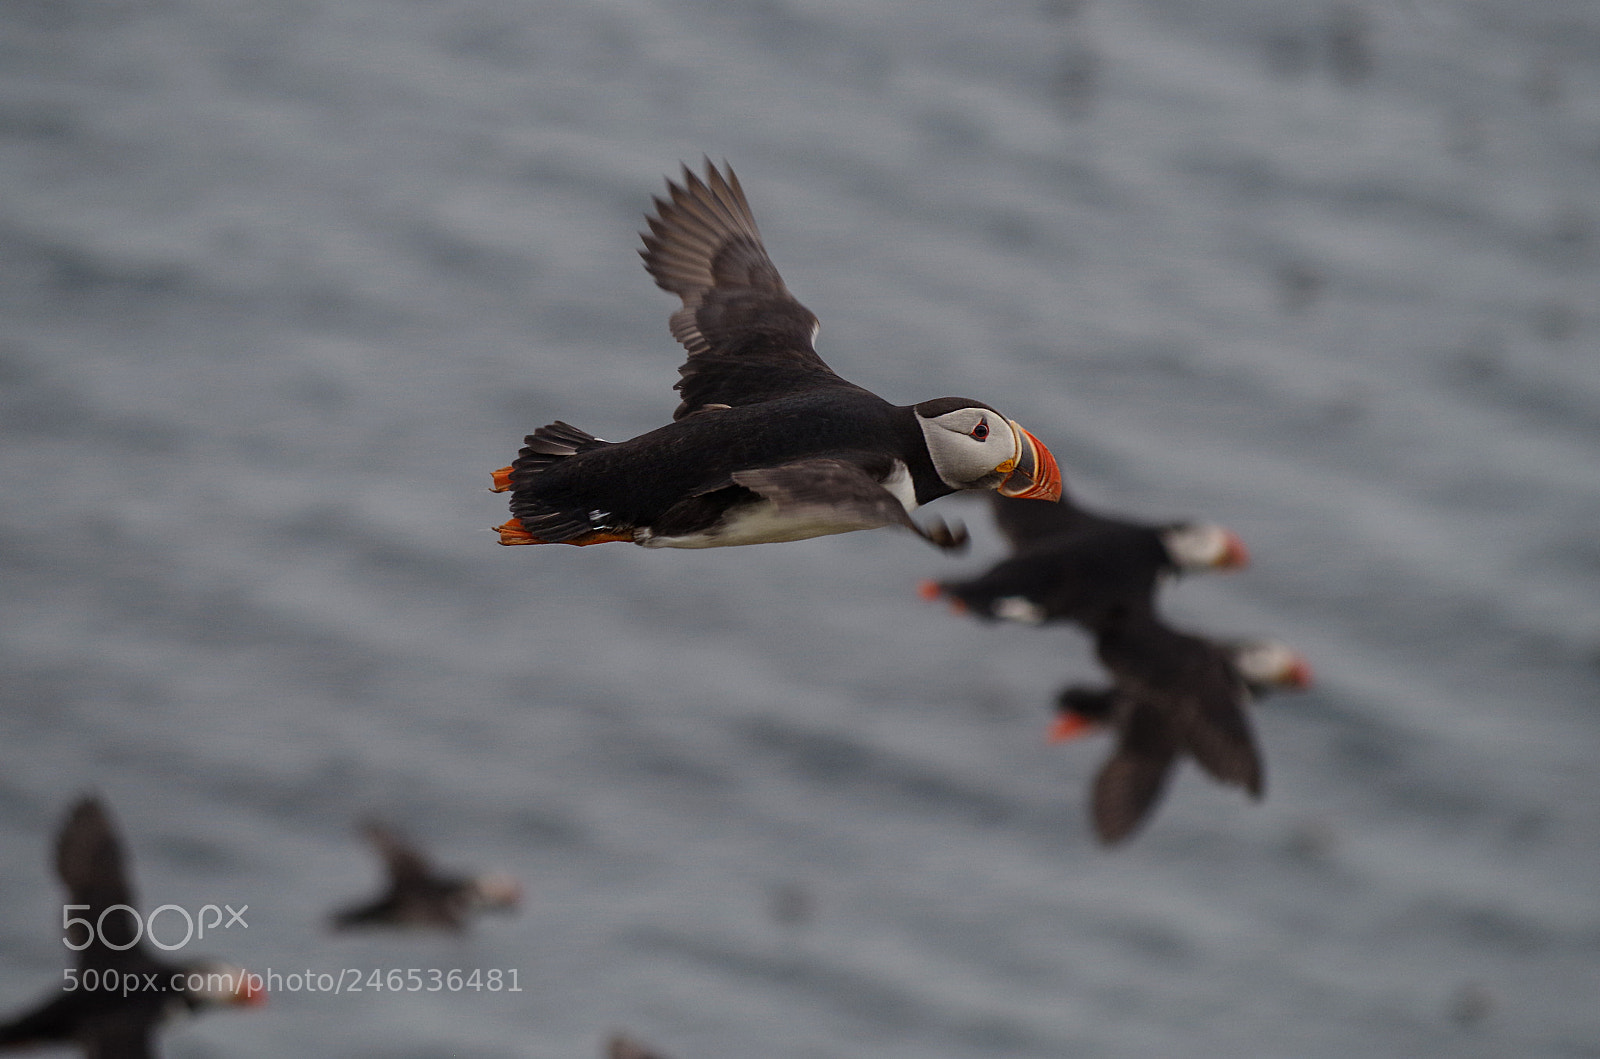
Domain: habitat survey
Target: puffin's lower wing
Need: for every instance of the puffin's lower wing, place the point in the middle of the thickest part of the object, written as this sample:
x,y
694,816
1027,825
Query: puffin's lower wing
x,y
840,495
122,1038
1126,790
1131,782
54,1020
1212,726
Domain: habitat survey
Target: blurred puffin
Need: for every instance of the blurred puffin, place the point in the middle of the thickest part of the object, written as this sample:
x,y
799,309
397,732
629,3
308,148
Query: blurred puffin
x,y
620,1046
767,444
116,1022
1172,694
418,895
1072,564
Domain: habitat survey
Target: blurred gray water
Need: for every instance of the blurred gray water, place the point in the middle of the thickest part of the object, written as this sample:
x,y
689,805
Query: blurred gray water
x,y
282,281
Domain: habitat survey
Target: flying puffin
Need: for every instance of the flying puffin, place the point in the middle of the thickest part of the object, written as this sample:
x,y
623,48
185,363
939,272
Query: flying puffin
x,y
1195,688
117,1022
619,1046
1130,783
1072,564
767,444
418,895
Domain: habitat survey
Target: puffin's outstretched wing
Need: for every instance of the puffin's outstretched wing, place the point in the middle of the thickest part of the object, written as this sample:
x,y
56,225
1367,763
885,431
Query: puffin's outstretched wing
x,y
403,861
90,862
748,339
1208,719
836,492
89,857
1134,777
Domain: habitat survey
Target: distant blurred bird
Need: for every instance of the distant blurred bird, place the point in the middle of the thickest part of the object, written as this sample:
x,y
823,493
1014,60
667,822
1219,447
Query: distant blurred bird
x,y
420,896
768,444
123,991
1157,713
621,1047
1072,564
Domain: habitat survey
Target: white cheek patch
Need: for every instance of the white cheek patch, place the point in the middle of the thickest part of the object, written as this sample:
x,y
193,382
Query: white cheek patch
x,y
1015,608
1264,662
963,461
1197,547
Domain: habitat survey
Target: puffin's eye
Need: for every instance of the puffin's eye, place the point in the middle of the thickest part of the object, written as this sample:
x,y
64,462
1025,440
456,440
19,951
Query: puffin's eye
x,y
981,431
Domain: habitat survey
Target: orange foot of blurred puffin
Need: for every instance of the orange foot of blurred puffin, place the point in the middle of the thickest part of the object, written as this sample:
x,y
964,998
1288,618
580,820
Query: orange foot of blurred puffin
x,y
933,591
502,481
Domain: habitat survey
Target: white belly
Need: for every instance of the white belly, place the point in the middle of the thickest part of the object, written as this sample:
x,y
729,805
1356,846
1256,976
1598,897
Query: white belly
x,y
758,523
765,522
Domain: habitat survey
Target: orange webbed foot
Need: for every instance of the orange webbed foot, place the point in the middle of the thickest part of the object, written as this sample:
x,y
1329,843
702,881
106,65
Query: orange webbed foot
x,y
603,536
512,533
1068,727
502,481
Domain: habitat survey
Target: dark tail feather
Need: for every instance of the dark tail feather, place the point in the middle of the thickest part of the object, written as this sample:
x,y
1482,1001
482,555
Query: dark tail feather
x,y
536,521
543,449
550,444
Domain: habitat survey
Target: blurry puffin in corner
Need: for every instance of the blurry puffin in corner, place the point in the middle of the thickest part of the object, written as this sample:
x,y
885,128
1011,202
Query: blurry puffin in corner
x,y
767,444
621,1046
124,992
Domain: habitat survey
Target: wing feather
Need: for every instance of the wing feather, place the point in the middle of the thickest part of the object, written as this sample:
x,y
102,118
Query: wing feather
x,y
841,493
403,861
89,858
747,337
1132,780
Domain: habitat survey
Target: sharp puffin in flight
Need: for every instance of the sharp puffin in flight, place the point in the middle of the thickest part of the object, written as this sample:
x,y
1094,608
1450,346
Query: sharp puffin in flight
x,y
767,444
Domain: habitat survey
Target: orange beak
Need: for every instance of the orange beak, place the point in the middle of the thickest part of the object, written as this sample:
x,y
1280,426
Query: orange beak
x,y
1034,474
250,993
1299,674
1069,726
1235,556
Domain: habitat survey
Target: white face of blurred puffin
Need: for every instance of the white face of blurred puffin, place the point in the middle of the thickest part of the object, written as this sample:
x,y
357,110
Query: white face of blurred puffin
x,y
1270,664
975,447
1205,546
